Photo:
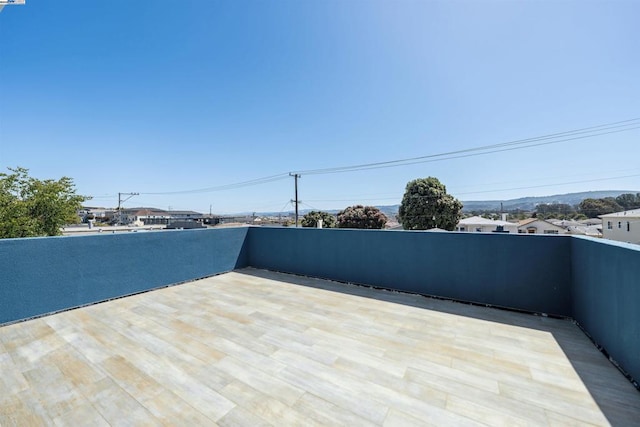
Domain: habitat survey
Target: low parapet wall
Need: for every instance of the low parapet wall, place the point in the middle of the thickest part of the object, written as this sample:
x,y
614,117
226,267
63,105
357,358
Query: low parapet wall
x,y
44,275
593,281
606,297
517,271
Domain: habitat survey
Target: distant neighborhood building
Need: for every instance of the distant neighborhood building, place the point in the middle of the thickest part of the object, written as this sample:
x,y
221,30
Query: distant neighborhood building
x,y
539,226
591,227
477,224
622,226
152,216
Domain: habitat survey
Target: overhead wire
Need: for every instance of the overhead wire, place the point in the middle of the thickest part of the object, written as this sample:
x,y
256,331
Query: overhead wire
x,y
477,151
553,138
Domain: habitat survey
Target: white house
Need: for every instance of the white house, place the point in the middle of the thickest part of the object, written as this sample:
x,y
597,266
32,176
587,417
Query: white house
x,y
539,226
477,224
622,226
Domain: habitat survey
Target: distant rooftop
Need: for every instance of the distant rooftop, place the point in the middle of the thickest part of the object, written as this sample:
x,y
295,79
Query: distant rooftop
x,y
631,213
253,347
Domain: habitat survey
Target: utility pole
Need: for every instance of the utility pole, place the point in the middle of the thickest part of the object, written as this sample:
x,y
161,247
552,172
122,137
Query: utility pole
x,y
121,201
296,201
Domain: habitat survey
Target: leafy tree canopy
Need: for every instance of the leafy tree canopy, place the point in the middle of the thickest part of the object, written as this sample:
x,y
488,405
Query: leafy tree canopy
x,y
311,219
555,210
30,207
594,207
359,216
426,205
629,201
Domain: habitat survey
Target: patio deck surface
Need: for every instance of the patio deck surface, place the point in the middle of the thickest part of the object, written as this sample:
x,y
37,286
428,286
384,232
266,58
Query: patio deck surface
x,y
255,347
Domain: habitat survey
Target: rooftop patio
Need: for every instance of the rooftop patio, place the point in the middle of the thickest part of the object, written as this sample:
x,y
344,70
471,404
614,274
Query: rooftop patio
x,y
255,347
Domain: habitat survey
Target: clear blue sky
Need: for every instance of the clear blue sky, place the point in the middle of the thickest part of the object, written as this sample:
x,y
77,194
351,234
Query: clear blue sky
x,y
161,96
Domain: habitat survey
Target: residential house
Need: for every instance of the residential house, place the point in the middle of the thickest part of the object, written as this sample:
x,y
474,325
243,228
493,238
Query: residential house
x,y
477,224
622,226
539,226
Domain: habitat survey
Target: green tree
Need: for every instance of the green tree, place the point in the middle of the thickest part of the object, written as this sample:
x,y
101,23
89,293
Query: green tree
x,y
30,207
426,205
311,219
629,201
554,210
594,207
359,216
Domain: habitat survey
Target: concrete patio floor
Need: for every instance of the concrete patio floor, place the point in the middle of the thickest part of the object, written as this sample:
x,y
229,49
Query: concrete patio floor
x,y
255,347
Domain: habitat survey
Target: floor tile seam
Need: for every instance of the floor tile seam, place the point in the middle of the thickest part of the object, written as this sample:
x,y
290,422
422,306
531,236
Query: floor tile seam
x,y
489,409
266,375
577,397
435,384
130,397
257,367
474,421
577,407
287,405
375,342
577,421
485,370
343,391
132,342
179,349
366,385
77,329
326,338
143,402
346,409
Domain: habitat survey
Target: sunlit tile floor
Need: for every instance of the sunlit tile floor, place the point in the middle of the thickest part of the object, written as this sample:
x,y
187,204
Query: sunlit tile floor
x,y
257,348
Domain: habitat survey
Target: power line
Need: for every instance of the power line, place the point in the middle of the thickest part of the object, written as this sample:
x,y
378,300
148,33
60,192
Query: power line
x,y
252,182
554,138
483,191
488,149
553,185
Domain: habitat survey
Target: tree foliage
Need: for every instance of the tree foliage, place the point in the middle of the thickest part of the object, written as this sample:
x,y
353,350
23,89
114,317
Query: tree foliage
x,y
359,216
629,201
595,207
555,210
311,219
426,205
30,207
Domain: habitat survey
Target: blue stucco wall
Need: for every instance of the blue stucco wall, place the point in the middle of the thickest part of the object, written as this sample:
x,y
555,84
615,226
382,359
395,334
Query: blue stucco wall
x,y
522,272
594,281
606,297
42,275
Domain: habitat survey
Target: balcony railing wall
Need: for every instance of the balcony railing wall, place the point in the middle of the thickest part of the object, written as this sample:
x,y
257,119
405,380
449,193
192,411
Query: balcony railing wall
x,y
44,275
594,281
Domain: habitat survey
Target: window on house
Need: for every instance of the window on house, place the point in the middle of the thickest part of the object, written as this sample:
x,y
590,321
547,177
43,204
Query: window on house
x,y
531,230
628,226
462,229
550,231
609,226
478,230
619,224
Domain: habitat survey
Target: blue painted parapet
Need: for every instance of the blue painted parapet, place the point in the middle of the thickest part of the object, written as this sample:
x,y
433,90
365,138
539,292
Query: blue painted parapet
x,y
594,281
44,275
517,271
606,297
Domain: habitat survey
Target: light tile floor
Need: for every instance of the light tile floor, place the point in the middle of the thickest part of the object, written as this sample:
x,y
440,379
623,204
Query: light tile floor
x,y
255,348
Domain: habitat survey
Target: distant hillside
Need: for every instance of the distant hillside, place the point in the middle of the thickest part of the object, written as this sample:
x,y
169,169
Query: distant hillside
x,y
529,203
523,203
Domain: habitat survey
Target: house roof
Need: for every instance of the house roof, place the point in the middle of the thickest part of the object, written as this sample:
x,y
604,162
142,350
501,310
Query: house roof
x,y
530,221
586,230
635,213
478,220
527,221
